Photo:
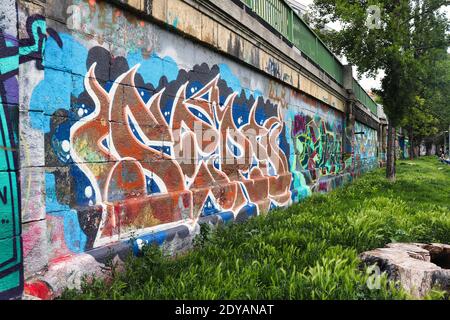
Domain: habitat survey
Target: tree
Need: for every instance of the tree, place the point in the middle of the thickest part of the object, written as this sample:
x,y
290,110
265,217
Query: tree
x,y
420,124
437,93
432,115
406,35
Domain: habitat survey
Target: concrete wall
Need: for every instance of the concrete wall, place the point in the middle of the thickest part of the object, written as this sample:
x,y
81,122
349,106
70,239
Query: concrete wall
x,y
366,147
128,128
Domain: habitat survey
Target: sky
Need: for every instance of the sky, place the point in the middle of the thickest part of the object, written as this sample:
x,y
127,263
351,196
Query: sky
x,y
366,83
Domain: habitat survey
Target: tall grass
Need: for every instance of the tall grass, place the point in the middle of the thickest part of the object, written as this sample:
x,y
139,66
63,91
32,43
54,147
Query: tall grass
x,y
308,251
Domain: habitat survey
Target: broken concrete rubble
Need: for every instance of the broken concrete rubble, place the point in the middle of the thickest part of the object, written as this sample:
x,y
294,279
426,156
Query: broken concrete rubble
x,y
417,267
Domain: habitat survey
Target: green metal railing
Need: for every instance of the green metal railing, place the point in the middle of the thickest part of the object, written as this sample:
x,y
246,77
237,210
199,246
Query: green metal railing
x,y
286,21
275,12
364,98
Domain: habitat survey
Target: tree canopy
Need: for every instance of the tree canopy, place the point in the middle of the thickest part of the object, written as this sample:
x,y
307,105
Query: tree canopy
x,y
408,40
400,37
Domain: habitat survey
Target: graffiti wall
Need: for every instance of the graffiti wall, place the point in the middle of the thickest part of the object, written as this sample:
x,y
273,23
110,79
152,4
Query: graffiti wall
x,y
366,148
10,229
317,137
403,146
122,139
130,131
142,156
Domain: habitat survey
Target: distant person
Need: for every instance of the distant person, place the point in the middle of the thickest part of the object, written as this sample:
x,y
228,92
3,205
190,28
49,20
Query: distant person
x,y
443,159
447,160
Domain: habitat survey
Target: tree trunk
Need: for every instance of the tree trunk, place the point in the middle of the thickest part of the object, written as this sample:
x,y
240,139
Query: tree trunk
x,y
390,164
418,142
429,147
411,143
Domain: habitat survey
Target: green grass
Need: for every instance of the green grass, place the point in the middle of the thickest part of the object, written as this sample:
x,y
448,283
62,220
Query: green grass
x,y
308,251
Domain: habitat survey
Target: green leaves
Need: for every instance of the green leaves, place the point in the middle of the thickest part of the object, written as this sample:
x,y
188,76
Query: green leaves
x,y
408,45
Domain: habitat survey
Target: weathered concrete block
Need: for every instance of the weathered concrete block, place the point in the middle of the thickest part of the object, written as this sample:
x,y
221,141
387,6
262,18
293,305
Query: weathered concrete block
x,y
29,77
184,17
59,11
32,141
8,18
223,37
209,30
33,193
412,265
159,9
35,247
27,9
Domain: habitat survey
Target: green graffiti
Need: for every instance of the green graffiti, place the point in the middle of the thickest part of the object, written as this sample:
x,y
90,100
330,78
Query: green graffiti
x,y
366,148
318,145
10,241
10,244
318,148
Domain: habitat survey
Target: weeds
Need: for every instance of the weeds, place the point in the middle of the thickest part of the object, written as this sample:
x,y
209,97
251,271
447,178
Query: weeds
x,y
308,251
204,235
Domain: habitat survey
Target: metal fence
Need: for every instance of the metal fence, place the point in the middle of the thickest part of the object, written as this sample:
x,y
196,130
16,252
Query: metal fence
x,y
364,98
286,21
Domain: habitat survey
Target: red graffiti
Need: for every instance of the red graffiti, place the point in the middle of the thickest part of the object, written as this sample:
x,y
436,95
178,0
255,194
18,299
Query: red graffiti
x,y
200,154
38,289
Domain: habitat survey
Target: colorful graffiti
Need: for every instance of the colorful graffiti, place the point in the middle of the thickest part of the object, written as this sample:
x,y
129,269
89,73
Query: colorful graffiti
x,y
318,143
366,148
10,244
403,146
90,17
124,135
144,157
12,54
